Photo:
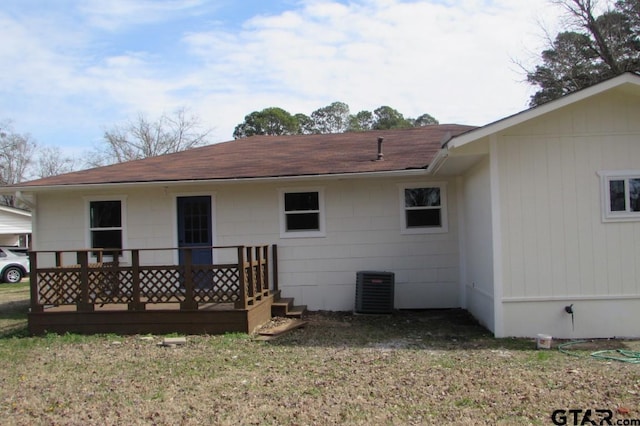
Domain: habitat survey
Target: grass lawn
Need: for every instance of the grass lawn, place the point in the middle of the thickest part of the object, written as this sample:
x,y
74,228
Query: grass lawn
x,y
432,367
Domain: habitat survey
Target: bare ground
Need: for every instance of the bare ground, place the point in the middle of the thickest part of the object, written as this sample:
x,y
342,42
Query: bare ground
x,y
430,367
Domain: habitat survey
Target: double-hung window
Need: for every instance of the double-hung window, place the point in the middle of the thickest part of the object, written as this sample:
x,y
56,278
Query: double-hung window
x,y
302,213
621,196
423,208
106,224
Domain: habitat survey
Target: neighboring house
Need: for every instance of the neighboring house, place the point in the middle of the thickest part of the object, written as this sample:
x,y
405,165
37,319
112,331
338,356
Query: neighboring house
x,y
513,221
15,226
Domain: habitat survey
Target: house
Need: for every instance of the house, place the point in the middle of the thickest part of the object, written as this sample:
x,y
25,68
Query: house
x,y
531,223
15,226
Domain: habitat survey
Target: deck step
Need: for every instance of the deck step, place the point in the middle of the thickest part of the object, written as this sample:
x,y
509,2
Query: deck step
x,y
297,311
280,307
284,307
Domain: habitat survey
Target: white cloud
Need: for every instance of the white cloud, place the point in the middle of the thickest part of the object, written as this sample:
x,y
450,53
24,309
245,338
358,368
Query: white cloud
x,y
114,14
452,59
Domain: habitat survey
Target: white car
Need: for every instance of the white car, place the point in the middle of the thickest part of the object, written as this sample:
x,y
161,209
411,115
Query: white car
x,y
14,264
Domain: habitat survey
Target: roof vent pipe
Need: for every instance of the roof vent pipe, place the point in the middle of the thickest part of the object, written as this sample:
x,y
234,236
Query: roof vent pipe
x,y
380,154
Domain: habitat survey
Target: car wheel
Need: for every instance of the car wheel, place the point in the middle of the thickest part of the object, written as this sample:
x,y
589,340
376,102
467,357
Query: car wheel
x,y
12,275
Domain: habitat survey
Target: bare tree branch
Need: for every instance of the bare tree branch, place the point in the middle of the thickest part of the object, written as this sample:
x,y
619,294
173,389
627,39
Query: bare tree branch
x,y
142,138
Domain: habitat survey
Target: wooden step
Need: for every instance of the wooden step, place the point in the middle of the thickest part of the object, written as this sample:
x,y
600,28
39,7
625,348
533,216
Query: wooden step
x,y
281,307
296,311
284,307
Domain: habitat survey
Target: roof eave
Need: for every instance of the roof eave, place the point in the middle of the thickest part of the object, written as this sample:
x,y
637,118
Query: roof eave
x,y
226,181
526,115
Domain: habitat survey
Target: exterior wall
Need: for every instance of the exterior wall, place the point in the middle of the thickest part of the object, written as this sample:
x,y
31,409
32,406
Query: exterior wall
x,y
12,226
477,243
557,250
362,233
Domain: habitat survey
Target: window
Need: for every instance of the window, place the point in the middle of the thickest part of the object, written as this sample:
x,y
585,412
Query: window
x,y
302,213
621,196
423,208
105,224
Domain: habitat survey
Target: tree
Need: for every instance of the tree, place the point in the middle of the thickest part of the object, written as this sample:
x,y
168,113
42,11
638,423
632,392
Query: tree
x,y
361,121
305,124
269,121
389,118
333,118
424,120
16,154
592,49
52,162
142,138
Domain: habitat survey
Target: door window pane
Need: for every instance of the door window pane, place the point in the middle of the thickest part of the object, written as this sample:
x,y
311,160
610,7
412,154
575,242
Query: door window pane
x,y
195,220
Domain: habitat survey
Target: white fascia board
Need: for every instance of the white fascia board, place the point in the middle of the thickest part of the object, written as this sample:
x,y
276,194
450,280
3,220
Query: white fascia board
x,y
529,114
231,181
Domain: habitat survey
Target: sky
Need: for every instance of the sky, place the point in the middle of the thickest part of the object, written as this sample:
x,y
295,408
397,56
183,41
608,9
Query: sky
x,y
72,69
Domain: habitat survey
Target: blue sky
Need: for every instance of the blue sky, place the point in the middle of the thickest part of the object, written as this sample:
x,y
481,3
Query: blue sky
x,y
74,68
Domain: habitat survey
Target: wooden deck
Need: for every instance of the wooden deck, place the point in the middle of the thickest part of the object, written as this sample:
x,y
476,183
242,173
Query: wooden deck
x,y
97,293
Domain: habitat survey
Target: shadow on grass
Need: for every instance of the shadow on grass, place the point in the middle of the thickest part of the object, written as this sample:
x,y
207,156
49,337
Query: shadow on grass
x,y
13,319
442,329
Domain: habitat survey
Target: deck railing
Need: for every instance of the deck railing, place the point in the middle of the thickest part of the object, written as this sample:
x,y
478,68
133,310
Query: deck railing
x,y
91,278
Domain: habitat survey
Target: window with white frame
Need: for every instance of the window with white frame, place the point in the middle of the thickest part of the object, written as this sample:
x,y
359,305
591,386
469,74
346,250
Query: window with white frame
x,y
106,224
302,213
621,195
423,208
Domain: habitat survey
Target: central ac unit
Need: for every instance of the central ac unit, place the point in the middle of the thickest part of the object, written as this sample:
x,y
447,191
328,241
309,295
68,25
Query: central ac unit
x,y
374,292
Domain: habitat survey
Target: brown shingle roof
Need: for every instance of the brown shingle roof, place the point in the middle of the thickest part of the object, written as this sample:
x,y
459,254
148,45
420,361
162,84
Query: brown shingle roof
x,y
276,156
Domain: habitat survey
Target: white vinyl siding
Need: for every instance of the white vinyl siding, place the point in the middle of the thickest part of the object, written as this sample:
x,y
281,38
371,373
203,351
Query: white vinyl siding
x,y
556,247
360,221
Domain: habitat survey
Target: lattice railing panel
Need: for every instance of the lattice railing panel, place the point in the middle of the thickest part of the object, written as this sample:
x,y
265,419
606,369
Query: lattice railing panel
x,y
59,287
219,285
162,285
110,286
114,282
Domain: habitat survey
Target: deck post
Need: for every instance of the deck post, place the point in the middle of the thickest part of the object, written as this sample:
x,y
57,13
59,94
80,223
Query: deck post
x,y
136,305
274,266
258,260
242,302
33,267
251,296
188,303
265,276
83,305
